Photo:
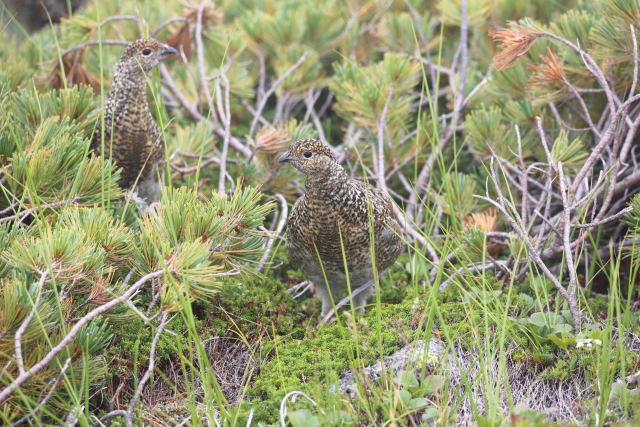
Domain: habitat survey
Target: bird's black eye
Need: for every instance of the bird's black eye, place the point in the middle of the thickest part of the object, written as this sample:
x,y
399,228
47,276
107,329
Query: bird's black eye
x,y
307,154
146,51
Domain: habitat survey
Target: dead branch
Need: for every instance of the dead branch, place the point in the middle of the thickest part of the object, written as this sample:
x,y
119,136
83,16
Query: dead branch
x,y
152,363
17,340
23,214
224,111
282,220
262,101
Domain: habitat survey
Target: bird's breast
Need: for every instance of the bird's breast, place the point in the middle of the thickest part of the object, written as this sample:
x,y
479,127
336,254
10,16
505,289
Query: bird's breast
x,y
319,229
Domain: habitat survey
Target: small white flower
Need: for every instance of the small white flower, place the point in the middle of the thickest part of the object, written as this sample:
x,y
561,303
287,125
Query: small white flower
x,y
587,342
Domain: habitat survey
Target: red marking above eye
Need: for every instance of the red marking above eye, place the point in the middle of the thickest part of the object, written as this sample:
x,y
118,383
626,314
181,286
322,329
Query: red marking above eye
x,y
147,47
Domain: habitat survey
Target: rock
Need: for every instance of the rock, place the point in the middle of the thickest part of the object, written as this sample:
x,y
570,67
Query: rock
x,y
413,355
31,15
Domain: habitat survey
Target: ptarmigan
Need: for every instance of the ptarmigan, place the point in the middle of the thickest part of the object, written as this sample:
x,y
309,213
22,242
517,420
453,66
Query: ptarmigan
x,y
131,136
336,212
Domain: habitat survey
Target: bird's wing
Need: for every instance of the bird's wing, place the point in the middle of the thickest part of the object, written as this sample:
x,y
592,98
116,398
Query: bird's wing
x,y
136,148
375,207
363,200
294,233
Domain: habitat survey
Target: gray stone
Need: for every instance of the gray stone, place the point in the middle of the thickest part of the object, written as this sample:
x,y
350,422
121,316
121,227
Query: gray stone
x,y
414,355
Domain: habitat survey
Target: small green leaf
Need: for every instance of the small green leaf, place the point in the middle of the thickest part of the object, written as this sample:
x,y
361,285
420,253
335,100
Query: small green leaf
x,y
430,415
303,418
433,383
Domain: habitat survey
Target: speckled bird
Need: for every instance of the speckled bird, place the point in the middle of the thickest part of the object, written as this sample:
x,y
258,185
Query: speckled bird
x,y
131,136
336,211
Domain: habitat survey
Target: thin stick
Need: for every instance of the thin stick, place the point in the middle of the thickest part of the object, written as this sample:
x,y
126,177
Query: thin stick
x,y
17,340
345,301
159,28
93,43
150,368
282,220
23,214
566,236
533,252
200,56
425,172
381,125
225,114
263,100
477,267
607,219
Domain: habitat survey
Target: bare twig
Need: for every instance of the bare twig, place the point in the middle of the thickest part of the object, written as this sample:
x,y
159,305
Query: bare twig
x,y
262,101
113,414
11,207
201,63
299,289
117,18
152,363
202,163
534,253
94,43
17,341
381,125
168,22
409,227
168,81
478,267
344,301
566,236
224,111
425,172
282,220
23,214
606,220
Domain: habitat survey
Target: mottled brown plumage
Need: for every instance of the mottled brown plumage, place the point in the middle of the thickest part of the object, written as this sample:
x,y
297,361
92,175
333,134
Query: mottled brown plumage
x,y
130,135
336,211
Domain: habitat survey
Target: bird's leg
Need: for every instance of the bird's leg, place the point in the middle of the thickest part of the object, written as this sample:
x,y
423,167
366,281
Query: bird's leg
x,y
141,204
364,292
323,291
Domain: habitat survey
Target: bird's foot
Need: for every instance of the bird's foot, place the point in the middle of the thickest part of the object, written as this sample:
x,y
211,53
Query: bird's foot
x,y
141,204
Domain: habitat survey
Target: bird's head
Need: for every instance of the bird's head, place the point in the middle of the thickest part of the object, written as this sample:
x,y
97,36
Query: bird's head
x,y
311,157
144,54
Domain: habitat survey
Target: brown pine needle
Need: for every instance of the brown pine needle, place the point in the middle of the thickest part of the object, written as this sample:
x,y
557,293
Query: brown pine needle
x,y
271,140
73,71
549,71
482,221
181,41
513,43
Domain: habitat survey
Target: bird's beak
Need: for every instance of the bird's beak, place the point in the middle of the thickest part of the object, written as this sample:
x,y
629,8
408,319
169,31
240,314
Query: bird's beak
x,y
283,158
168,50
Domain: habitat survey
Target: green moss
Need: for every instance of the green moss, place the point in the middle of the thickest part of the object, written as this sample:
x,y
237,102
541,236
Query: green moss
x,y
313,363
132,343
252,305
